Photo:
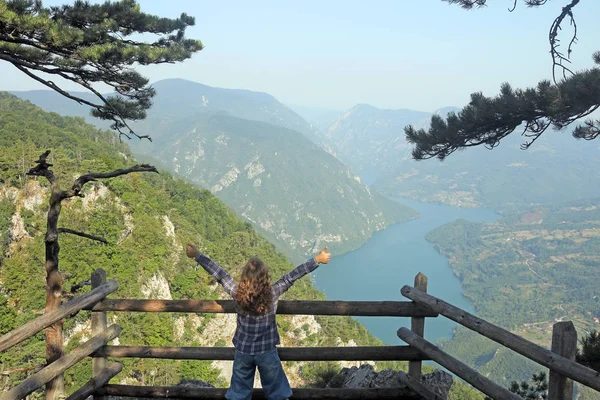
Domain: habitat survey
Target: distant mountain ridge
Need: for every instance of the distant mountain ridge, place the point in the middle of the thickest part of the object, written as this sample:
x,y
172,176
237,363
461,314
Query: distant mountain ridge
x,y
319,118
371,142
364,135
255,154
180,100
296,194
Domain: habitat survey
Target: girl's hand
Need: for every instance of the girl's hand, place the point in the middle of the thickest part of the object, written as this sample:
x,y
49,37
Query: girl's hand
x,y
191,251
323,257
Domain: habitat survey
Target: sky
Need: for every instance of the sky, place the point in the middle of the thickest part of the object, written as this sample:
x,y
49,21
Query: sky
x,y
414,54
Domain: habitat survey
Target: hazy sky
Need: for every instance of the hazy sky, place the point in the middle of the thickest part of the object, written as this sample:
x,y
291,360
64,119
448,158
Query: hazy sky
x,y
418,54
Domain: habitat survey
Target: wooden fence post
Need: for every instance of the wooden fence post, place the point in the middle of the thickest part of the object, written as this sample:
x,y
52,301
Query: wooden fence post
x,y
99,324
564,343
417,325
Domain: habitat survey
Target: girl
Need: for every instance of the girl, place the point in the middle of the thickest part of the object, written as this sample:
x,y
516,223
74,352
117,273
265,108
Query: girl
x,y
256,334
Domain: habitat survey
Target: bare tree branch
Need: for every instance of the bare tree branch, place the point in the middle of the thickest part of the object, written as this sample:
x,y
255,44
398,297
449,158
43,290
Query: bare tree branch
x,y
41,169
82,234
93,176
80,285
558,59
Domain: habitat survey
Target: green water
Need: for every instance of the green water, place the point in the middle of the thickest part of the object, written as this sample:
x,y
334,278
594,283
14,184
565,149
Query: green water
x,y
390,260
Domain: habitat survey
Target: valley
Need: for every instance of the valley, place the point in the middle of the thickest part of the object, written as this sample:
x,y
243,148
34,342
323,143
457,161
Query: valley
x,y
241,146
524,272
302,191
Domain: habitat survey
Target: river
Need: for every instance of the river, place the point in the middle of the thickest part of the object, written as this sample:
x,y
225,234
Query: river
x,y
391,259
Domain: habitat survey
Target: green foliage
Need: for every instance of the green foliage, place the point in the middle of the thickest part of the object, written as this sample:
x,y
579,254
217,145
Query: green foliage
x,y
319,373
536,389
262,171
464,391
146,220
523,273
202,370
520,260
94,43
485,121
589,354
7,315
7,209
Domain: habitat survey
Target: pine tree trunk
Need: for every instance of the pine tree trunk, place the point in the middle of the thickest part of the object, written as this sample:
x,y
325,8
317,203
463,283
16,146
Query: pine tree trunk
x,y
55,389
54,334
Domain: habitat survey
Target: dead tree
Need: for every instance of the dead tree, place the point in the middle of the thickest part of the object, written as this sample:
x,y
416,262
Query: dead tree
x,y
54,279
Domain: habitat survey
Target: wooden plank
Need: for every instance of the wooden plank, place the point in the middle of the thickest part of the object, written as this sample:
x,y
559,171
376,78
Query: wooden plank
x,y
367,353
32,327
477,380
564,343
99,324
48,373
540,355
219,393
419,388
299,307
417,325
96,382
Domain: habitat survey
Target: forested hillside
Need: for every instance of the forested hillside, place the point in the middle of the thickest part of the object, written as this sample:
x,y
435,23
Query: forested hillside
x,y
253,153
146,219
525,272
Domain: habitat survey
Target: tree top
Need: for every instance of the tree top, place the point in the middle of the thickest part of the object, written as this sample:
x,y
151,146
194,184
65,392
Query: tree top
x,y
90,44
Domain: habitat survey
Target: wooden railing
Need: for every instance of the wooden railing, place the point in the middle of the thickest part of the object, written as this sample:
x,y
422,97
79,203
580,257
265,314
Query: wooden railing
x,y
334,308
53,370
563,370
560,359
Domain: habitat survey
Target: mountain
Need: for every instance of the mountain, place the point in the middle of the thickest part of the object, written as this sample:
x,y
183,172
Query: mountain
x,y
364,137
371,143
319,118
146,218
181,101
299,196
239,145
556,169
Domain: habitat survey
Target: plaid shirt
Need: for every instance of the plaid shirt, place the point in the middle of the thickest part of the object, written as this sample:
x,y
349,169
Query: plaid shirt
x,y
256,334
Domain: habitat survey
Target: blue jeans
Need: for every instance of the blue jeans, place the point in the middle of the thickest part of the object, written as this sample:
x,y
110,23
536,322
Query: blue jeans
x,y
272,377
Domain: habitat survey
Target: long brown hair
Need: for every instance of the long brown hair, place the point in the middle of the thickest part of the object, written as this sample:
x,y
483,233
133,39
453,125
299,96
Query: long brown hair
x,y
254,294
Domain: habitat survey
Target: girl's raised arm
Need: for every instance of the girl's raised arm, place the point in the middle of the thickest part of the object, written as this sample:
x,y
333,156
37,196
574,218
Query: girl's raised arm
x,y
287,280
221,276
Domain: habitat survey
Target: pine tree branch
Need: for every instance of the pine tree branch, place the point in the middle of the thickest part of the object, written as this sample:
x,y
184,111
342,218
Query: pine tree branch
x,y
486,121
82,234
34,43
49,84
119,121
88,43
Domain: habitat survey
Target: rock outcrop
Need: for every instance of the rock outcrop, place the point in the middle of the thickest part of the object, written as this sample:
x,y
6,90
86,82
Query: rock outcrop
x,y
365,376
